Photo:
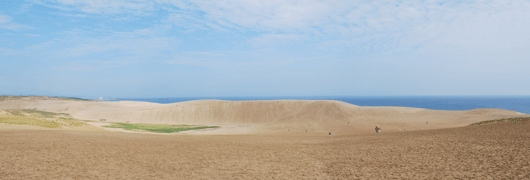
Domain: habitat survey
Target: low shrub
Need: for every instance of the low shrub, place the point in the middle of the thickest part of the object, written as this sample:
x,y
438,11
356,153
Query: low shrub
x,y
512,120
24,120
158,128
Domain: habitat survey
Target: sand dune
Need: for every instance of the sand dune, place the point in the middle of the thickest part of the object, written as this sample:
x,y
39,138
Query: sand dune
x,y
295,116
491,151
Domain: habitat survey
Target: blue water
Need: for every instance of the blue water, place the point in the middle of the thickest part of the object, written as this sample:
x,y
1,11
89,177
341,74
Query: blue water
x,y
514,103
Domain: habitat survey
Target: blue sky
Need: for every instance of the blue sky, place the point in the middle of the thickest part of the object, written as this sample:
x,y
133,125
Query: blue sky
x,y
164,48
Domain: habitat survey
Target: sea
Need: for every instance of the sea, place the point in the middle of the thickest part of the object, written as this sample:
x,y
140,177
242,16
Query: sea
x,y
514,103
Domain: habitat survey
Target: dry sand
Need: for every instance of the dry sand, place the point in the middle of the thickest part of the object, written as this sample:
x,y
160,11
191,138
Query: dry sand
x,y
497,151
259,148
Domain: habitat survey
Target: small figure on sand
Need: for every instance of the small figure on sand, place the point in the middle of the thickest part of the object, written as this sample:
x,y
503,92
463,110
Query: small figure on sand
x,y
329,133
377,129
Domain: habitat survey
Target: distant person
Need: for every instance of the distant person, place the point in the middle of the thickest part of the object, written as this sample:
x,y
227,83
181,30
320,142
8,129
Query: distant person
x,y
377,129
329,133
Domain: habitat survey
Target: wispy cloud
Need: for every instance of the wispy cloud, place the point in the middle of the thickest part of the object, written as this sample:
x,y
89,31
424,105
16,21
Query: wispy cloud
x,y
332,41
379,25
6,23
101,6
376,25
4,19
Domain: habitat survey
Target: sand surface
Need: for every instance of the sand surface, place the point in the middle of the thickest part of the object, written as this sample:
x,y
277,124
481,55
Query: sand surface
x,y
496,151
266,140
267,117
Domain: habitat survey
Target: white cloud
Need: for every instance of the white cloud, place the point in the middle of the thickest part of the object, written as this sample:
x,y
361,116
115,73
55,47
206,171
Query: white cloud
x,y
6,23
13,26
366,25
360,25
102,6
4,19
188,20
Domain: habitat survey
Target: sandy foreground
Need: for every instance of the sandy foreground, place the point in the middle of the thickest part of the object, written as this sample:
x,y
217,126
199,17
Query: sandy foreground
x,y
267,140
482,152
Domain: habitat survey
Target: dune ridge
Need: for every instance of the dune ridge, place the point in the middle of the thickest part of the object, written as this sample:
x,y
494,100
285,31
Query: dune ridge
x,y
269,115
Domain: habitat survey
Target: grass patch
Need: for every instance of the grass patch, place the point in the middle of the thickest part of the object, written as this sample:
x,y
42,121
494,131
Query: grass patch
x,y
72,98
45,114
20,112
16,112
158,128
38,118
71,121
512,120
24,120
41,113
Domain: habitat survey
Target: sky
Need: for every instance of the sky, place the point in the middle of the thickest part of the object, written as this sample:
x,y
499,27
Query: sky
x,y
212,48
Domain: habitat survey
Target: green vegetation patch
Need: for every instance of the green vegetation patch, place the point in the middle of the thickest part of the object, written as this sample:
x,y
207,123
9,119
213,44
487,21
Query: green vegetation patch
x,y
4,98
45,114
38,118
72,98
158,128
71,121
41,113
24,120
16,112
512,120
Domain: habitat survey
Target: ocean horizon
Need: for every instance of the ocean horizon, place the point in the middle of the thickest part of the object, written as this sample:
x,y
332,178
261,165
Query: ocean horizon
x,y
515,103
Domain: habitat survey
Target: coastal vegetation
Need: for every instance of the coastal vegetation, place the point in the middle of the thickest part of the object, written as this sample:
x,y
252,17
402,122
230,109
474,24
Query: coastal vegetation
x,y
35,117
39,118
25,120
158,128
33,112
71,121
512,120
